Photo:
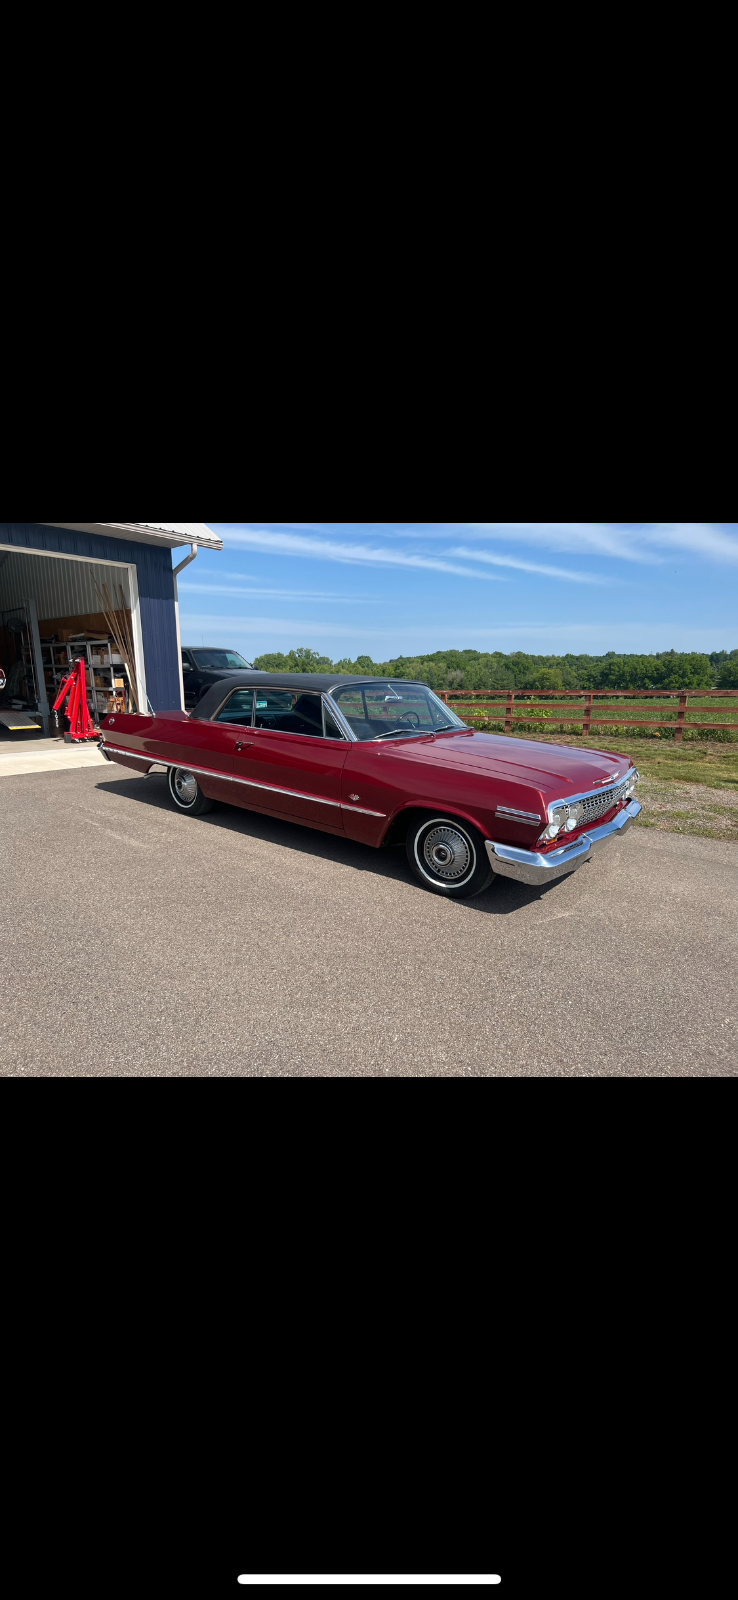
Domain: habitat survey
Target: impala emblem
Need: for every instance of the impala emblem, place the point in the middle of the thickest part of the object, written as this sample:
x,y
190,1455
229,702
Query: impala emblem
x,y
354,797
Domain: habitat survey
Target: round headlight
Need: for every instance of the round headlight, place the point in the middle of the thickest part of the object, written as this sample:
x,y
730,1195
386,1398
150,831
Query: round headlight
x,y
551,831
571,824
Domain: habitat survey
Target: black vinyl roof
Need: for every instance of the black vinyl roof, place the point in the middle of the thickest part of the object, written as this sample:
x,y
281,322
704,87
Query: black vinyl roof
x,y
322,682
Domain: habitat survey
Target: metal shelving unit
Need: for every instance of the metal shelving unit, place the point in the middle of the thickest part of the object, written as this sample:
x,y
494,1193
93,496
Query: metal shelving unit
x,y
103,665
55,658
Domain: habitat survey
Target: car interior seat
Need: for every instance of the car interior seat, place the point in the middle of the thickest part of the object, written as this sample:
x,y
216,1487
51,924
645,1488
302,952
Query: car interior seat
x,y
309,709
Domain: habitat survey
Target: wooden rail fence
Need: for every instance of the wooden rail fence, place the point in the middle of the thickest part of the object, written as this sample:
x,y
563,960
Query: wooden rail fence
x,y
493,709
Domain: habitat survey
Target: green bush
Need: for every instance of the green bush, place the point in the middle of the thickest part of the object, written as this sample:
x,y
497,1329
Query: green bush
x,y
300,660
728,678
479,669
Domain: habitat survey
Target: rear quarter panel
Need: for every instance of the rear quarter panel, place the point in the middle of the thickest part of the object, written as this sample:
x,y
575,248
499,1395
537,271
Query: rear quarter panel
x,y
173,738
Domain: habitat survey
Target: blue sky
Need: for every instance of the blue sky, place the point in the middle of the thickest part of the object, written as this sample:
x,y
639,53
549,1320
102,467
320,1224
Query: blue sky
x,y
389,588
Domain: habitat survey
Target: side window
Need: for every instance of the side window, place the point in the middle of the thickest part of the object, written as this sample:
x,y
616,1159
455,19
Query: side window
x,y
272,706
289,711
331,729
353,705
237,709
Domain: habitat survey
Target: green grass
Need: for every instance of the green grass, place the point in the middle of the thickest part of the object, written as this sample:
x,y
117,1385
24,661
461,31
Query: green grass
x,y
713,764
712,760
646,710
682,787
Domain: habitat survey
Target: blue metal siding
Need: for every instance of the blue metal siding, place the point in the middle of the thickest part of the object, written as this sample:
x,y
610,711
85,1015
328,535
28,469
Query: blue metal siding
x,y
155,589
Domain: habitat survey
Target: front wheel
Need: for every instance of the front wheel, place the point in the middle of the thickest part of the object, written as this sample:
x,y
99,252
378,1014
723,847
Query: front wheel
x,y
186,792
448,857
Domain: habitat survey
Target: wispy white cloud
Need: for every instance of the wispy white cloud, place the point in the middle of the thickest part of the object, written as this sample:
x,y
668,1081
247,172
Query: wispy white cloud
x,y
595,636
363,555
700,538
643,542
528,566
279,594
287,627
597,538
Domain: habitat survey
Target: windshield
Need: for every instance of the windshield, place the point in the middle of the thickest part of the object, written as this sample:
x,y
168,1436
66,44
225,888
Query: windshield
x,y
220,660
393,710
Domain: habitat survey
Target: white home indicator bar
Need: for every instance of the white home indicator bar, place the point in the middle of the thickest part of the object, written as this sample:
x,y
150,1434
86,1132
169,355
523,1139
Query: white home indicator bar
x,y
374,1578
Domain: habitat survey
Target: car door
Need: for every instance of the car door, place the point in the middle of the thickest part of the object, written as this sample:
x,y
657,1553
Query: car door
x,y
291,761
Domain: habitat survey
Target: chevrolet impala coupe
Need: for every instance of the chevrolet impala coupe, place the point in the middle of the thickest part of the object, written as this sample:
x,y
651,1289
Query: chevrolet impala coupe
x,y
385,762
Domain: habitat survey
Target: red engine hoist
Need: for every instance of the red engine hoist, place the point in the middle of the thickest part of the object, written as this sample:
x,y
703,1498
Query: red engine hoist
x,y
80,721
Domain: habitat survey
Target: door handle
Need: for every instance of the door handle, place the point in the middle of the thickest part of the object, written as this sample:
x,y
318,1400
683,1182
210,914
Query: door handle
x,y
243,744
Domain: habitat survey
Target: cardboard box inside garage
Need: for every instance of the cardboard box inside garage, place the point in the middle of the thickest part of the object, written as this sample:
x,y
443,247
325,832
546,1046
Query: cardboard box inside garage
x,y
92,623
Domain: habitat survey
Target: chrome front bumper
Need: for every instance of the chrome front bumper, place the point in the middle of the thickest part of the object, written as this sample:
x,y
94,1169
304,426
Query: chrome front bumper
x,y
530,866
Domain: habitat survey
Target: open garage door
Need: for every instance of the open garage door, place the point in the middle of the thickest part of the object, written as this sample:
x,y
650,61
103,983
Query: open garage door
x,y
52,611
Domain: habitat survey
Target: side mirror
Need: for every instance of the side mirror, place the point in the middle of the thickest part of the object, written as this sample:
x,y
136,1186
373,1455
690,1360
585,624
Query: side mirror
x,y
186,666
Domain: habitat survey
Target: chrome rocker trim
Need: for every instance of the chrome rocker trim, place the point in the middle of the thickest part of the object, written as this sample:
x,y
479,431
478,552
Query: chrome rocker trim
x,y
530,866
229,777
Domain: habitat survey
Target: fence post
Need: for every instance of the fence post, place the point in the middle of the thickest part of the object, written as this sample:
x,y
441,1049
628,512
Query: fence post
x,y
587,724
509,710
681,714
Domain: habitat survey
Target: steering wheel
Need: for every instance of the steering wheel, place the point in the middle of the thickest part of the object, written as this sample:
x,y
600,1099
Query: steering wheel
x,y
408,715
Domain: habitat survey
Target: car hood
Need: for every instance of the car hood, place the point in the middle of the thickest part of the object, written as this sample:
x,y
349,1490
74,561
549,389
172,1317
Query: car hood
x,y
553,769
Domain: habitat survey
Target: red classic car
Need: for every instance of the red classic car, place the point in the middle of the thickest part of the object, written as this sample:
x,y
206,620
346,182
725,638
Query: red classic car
x,y
386,762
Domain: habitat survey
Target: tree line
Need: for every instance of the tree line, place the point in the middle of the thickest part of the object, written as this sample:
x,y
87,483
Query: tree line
x,y
477,669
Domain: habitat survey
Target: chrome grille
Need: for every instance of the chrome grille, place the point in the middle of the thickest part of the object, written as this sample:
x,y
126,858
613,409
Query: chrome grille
x,y
596,805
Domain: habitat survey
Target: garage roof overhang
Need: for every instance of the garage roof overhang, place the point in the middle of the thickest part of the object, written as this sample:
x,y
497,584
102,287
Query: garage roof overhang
x,y
171,534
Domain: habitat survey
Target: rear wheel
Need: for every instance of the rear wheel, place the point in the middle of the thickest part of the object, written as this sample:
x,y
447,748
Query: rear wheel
x,y
186,792
448,856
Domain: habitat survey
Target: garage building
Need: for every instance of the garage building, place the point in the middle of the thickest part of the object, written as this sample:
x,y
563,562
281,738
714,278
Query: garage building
x,y
55,579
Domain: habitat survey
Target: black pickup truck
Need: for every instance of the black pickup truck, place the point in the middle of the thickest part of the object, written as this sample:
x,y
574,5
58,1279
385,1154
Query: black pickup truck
x,y
201,668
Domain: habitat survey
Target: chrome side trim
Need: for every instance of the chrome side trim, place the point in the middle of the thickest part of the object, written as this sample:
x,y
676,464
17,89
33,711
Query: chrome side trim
x,y
362,811
518,816
249,783
531,867
296,794
134,754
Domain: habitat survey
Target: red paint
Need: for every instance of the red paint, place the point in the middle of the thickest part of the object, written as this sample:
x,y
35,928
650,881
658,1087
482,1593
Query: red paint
x,y
465,774
293,762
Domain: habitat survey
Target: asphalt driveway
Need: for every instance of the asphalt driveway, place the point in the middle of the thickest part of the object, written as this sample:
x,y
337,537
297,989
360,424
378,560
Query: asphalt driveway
x,y
140,943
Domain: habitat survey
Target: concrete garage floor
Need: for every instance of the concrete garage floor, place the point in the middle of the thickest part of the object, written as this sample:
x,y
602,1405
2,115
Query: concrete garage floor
x,y
139,943
46,755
